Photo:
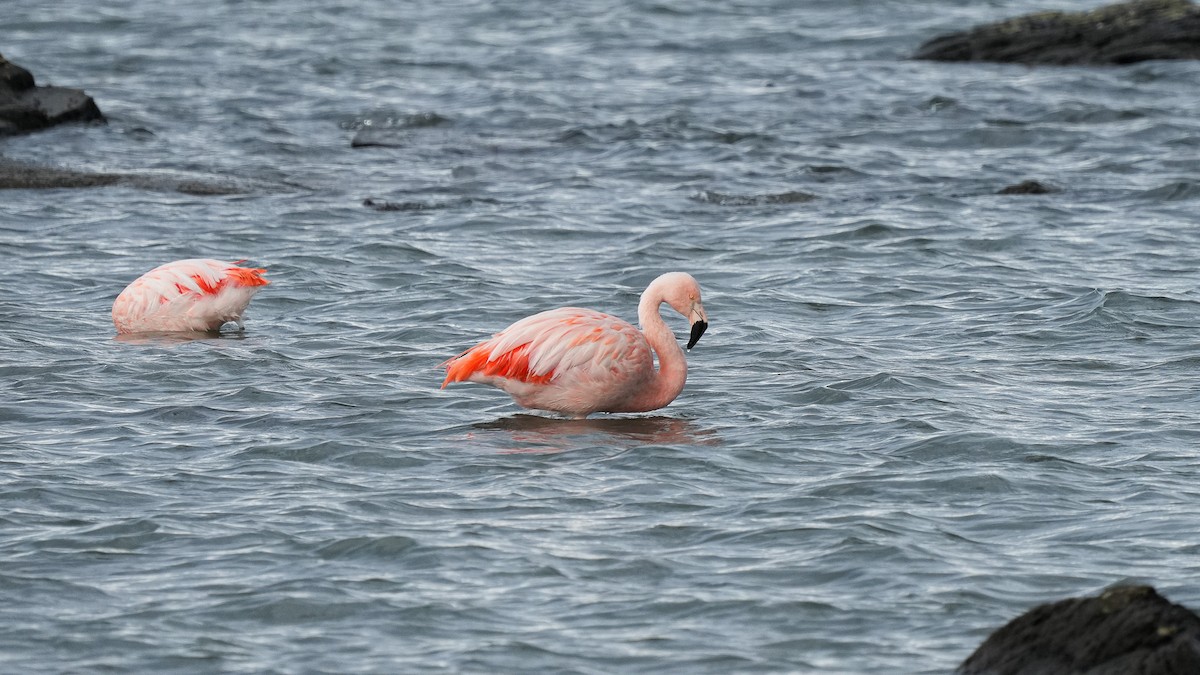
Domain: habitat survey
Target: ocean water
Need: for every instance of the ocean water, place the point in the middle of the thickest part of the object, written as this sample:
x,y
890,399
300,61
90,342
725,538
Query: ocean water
x,y
921,407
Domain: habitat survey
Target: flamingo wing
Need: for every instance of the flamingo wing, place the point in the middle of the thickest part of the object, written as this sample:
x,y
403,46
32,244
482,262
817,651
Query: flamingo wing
x,y
582,344
186,295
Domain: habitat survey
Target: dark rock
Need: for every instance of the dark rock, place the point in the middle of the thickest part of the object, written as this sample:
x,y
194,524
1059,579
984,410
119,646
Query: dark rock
x,y
1125,630
1027,187
25,107
14,77
1119,34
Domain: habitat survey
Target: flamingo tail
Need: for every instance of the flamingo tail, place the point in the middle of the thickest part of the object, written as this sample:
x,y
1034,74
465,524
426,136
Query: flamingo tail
x,y
479,360
245,276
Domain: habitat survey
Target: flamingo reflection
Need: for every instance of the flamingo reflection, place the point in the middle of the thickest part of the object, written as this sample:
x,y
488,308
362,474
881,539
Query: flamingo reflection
x,y
536,434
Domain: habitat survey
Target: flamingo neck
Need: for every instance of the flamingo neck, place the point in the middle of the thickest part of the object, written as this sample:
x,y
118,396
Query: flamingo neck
x,y
668,380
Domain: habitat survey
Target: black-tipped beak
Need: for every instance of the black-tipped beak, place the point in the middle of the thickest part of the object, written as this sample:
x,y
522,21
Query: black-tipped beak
x,y
698,329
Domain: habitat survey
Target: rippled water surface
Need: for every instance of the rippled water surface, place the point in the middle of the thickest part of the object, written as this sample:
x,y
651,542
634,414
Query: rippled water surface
x,y
921,407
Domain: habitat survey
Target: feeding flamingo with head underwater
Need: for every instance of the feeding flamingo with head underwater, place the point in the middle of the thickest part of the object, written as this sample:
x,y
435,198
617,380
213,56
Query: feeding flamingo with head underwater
x,y
198,295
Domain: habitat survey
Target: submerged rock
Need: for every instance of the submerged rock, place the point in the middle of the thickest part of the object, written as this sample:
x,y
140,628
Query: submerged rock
x,y
1126,629
18,176
1118,34
26,107
1027,187
382,205
21,176
393,131
379,138
723,199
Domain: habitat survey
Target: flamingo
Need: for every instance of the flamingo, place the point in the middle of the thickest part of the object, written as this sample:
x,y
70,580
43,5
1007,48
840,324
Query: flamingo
x,y
579,361
187,295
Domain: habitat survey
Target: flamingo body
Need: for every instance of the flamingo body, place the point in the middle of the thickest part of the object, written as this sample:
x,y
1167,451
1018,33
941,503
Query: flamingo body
x,y
196,295
579,361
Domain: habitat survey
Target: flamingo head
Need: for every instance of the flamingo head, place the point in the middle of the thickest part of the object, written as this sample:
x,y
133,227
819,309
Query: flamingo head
x,y
682,293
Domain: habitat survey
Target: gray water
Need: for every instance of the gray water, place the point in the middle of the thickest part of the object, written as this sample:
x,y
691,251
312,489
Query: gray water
x,y
920,409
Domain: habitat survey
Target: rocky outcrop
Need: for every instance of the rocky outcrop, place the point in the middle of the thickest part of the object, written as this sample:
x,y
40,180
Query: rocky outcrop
x,y
1119,34
26,107
1126,629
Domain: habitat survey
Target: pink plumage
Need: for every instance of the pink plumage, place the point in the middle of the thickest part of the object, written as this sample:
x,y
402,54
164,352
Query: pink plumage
x,y
579,361
196,295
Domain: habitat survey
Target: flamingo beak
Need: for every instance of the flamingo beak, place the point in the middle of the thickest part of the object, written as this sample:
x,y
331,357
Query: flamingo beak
x,y
698,329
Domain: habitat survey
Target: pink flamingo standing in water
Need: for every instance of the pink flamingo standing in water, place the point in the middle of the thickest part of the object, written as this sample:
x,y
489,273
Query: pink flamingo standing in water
x,y
578,361
187,295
